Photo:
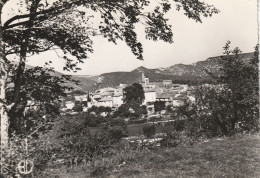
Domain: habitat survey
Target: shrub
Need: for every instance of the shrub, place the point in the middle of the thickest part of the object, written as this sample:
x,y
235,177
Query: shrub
x,y
149,130
92,120
115,130
172,139
179,125
100,109
73,142
123,111
25,148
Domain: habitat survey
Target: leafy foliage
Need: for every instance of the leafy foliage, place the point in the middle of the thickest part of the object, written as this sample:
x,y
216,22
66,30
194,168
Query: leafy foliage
x,y
159,106
227,106
134,94
72,141
141,111
130,110
149,130
53,24
39,100
46,25
99,109
115,130
233,100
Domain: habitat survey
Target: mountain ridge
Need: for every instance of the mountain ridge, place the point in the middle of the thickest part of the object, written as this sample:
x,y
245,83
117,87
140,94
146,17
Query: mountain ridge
x,y
179,73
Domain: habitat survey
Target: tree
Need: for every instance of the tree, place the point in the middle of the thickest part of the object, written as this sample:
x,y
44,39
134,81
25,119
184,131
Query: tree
x,y
234,97
240,78
115,129
141,111
134,94
45,25
159,106
40,92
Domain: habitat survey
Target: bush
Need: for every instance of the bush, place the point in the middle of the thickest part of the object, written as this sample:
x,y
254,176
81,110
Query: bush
x,y
37,153
123,111
92,120
115,130
179,125
71,141
100,109
172,139
149,130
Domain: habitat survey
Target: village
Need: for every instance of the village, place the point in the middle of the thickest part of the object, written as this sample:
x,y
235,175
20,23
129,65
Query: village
x,y
129,88
173,95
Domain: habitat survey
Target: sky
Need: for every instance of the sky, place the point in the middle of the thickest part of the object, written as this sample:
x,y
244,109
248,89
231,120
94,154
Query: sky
x,y
236,22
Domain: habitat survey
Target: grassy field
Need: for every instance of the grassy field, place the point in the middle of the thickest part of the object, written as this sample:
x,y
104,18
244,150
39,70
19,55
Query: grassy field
x,y
237,156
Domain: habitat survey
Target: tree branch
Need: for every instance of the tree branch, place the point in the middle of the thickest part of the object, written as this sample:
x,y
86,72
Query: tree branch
x,y
56,9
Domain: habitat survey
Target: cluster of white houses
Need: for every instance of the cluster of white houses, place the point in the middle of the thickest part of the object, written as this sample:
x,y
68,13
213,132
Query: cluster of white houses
x,y
171,94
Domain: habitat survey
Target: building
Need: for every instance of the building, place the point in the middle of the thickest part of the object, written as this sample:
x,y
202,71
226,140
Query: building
x,y
118,100
105,102
165,97
149,96
69,104
166,91
167,83
81,97
177,103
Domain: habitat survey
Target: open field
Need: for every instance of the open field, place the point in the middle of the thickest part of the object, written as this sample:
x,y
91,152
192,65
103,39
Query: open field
x,y
237,156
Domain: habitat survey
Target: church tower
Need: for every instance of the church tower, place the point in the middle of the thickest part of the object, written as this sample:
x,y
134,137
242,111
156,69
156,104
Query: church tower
x,y
144,79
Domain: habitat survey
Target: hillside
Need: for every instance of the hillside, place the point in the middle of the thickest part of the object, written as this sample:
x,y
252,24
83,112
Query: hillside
x,y
178,73
198,69
86,83
237,156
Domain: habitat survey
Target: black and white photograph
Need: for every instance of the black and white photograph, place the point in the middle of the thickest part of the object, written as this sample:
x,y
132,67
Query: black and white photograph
x,y
129,88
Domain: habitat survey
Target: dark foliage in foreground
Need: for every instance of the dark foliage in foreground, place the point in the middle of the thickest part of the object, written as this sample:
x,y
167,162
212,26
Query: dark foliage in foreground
x,y
233,101
149,130
72,141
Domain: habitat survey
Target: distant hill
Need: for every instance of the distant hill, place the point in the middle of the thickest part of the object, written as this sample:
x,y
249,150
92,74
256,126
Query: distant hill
x,y
198,69
86,83
178,73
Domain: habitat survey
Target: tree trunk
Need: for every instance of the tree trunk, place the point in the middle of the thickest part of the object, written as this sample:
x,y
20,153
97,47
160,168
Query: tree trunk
x,y
4,65
235,118
21,67
3,102
219,119
4,128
